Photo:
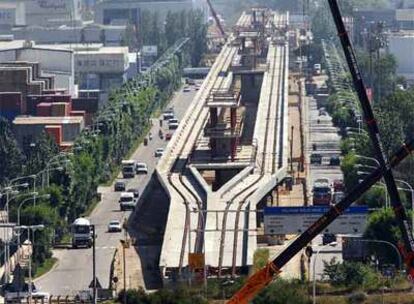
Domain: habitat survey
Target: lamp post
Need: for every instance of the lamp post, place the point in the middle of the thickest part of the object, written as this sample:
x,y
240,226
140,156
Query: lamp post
x,y
28,228
332,244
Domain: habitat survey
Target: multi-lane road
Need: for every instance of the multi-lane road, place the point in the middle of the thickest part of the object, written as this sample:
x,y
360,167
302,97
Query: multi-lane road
x,y
74,268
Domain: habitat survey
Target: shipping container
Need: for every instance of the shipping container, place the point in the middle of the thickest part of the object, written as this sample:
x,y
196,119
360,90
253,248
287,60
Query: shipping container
x,y
60,109
11,101
43,109
56,132
9,115
78,113
90,105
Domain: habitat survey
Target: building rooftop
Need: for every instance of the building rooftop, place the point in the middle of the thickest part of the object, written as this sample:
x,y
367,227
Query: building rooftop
x,y
37,120
24,44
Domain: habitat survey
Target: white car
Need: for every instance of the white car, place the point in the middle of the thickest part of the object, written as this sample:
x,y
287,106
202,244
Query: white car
x,y
159,152
141,168
186,89
173,121
114,226
167,115
127,201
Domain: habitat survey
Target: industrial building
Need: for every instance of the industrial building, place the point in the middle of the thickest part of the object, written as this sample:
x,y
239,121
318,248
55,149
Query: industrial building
x,y
53,61
401,45
124,11
40,12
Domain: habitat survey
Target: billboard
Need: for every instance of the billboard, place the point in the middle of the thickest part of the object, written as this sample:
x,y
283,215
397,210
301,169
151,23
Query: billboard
x,y
295,220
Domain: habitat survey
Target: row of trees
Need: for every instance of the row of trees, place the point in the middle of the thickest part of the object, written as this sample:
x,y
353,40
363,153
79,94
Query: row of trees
x,y
177,25
96,155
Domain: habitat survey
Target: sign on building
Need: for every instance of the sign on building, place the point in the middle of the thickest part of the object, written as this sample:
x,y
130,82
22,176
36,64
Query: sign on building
x,y
149,50
295,220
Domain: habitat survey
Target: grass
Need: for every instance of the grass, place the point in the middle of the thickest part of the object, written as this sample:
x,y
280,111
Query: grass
x,y
91,207
401,298
45,267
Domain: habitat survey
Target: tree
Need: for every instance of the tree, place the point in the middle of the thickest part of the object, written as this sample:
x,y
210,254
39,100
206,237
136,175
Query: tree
x,y
197,32
11,158
283,292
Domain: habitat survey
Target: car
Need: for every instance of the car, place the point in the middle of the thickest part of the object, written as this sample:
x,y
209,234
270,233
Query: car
x,y
167,115
159,152
168,136
114,226
315,158
322,113
186,89
328,238
197,87
173,121
172,126
134,191
338,185
127,201
141,168
335,161
120,186
322,181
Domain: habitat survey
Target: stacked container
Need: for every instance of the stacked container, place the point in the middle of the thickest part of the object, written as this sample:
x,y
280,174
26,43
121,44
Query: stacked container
x,y
60,109
10,105
55,132
44,109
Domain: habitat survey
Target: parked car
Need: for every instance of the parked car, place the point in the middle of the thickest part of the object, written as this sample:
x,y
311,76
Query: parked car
x,y
134,191
316,158
328,238
187,89
172,126
168,136
114,226
120,186
173,121
141,168
159,152
338,185
324,181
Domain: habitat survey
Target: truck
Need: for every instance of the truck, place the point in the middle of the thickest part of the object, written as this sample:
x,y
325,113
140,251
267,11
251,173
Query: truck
x,y
128,168
322,193
81,233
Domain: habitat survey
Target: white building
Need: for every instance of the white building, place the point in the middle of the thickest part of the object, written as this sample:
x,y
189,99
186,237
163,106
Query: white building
x,y
401,45
54,61
12,14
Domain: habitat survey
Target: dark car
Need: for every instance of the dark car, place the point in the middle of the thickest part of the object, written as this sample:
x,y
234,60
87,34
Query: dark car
x,y
120,186
315,158
338,185
134,191
328,238
334,161
168,136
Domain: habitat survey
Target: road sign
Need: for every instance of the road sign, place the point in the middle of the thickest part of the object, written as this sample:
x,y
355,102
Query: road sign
x,y
294,220
196,260
98,284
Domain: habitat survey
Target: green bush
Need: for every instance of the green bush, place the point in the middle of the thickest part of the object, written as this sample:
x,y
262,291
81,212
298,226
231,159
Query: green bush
x,y
283,292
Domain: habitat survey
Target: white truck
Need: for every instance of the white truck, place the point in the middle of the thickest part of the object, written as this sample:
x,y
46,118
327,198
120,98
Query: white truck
x,y
81,233
128,168
127,201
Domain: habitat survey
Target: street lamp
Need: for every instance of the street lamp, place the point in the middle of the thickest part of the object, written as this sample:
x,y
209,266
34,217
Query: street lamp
x,y
368,158
332,244
28,228
412,200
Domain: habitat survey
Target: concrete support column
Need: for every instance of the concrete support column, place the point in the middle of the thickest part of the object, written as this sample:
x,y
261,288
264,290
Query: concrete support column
x,y
213,117
233,118
233,148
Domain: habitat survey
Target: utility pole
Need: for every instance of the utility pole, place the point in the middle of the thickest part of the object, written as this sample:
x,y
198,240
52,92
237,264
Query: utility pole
x,y
291,149
94,264
124,262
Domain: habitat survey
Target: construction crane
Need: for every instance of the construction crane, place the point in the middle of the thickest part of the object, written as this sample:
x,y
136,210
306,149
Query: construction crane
x,y
263,277
216,19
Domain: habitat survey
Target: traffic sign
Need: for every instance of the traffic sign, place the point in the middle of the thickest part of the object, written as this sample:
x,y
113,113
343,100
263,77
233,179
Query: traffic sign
x,y
295,220
98,284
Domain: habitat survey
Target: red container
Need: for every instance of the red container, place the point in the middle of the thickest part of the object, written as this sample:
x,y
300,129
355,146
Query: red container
x,y
43,109
31,103
55,132
11,101
78,113
60,109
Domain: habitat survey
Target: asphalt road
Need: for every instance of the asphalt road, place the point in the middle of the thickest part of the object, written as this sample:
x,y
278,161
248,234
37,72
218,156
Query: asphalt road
x,y
324,135
74,269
